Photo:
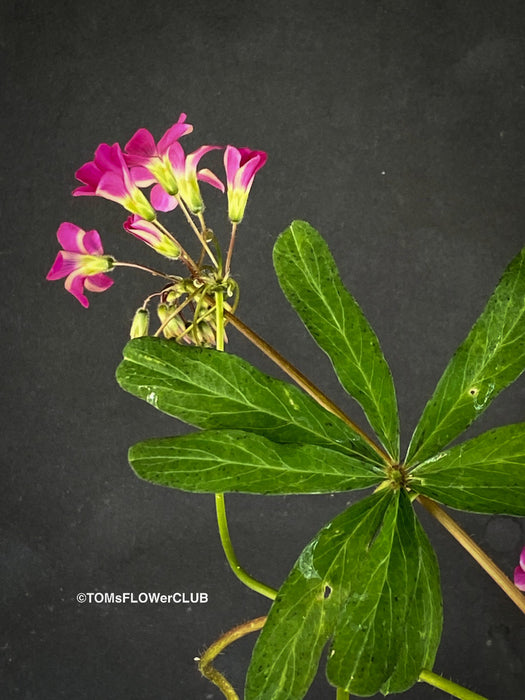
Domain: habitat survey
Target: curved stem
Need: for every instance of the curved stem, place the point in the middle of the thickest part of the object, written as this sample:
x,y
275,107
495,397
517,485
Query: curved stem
x,y
304,382
458,691
237,569
475,551
116,263
184,256
220,505
196,230
205,661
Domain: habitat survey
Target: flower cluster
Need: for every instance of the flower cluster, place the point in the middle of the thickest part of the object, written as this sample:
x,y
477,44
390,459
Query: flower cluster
x,y
121,175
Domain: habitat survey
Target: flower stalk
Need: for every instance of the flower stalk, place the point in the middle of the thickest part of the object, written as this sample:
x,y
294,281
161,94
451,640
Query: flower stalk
x,y
301,380
475,551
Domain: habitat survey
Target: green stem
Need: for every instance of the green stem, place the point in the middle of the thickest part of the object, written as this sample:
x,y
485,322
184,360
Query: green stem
x,y
196,230
474,550
184,256
458,691
303,382
205,661
237,569
219,316
230,250
220,504
116,263
342,694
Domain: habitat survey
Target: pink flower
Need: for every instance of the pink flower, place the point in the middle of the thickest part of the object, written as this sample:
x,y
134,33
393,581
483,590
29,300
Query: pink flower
x,y
519,572
142,152
150,162
150,234
241,165
108,176
184,169
82,262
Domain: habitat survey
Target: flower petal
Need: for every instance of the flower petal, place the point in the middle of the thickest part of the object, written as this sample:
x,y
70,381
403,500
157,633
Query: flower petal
x,y
70,236
232,162
61,267
161,200
177,159
173,134
98,283
519,578
75,285
207,176
522,559
90,175
112,186
246,173
141,144
141,176
193,158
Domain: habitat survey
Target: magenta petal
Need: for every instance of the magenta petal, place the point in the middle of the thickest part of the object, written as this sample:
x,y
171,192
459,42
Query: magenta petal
x,y
232,161
161,200
207,176
89,174
177,159
173,134
247,172
193,158
519,578
522,559
60,268
112,186
75,285
70,237
98,283
141,144
141,176
91,243
107,157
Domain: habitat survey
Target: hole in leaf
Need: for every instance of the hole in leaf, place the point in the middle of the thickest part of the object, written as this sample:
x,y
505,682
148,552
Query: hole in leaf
x,y
473,391
327,592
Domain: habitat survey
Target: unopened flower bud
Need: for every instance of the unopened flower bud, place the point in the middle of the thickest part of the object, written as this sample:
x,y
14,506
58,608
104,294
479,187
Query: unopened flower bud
x,y
205,334
175,327
140,324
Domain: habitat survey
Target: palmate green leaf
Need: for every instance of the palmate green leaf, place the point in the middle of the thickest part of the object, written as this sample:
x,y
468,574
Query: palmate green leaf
x,y
491,357
211,389
311,282
370,577
216,461
484,475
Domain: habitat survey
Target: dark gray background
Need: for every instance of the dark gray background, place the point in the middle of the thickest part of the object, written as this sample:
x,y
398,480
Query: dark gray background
x,y
396,128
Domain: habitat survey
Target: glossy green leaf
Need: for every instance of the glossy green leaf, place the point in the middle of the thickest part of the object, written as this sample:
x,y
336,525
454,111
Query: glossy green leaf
x,y
304,614
370,579
491,357
391,624
211,389
215,461
310,279
484,475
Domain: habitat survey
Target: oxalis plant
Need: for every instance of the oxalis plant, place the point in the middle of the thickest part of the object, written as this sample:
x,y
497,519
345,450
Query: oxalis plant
x,y
368,584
